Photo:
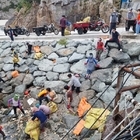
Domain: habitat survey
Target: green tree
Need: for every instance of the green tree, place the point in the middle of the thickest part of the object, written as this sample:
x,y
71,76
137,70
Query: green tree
x,y
26,4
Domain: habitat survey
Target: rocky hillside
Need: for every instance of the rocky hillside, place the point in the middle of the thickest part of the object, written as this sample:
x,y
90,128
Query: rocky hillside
x,y
51,11
7,8
69,56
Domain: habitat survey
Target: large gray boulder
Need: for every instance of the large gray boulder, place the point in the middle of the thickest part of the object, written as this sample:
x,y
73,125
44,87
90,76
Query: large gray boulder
x,y
64,77
76,57
89,94
6,45
52,75
61,60
46,50
8,67
45,65
61,68
69,120
98,86
107,96
53,56
104,75
6,52
20,89
85,85
133,49
39,73
66,51
83,48
72,43
58,86
28,79
39,81
78,67
119,56
106,63
17,80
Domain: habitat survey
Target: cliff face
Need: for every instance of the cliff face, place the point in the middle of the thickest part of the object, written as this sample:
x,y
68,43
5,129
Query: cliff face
x,y
51,11
7,8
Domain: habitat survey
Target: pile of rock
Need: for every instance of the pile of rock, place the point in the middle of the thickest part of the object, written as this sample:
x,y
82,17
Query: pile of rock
x,y
51,71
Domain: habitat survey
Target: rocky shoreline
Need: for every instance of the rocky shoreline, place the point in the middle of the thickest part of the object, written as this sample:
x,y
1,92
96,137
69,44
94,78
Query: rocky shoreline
x,y
60,58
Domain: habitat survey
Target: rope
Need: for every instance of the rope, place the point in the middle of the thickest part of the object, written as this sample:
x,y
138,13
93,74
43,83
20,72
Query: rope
x,y
109,104
119,124
135,119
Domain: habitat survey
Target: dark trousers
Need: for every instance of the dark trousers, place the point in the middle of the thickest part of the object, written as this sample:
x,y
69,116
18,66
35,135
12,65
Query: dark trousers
x,y
15,110
2,80
11,37
112,26
43,98
29,49
116,41
3,134
98,54
77,89
62,31
16,64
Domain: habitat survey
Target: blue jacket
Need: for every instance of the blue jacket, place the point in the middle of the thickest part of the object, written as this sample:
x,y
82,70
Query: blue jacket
x,y
40,115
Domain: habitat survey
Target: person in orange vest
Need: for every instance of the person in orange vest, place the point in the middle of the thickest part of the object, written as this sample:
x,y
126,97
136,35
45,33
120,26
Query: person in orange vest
x,y
138,23
2,133
100,48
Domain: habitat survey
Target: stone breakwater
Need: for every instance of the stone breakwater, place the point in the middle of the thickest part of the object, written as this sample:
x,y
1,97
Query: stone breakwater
x,y
60,58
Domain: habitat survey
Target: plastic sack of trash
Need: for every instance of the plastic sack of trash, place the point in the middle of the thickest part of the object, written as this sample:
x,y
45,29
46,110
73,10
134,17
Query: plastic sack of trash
x,y
33,129
87,19
53,107
67,32
94,117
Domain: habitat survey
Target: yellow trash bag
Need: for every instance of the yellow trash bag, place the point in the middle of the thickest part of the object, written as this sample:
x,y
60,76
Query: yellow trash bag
x,y
15,59
38,55
33,129
67,32
53,107
93,115
83,107
87,19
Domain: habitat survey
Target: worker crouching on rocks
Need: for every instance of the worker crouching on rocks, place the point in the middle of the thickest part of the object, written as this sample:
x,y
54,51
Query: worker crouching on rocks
x,y
45,109
38,114
15,103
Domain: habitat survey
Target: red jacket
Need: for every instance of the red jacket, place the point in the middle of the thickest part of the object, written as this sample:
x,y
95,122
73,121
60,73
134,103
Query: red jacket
x,y
63,22
100,45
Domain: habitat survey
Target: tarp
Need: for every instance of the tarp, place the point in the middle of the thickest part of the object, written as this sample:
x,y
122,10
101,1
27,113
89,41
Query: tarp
x,y
79,127
33,129
14,73
83,107
36,49
93,115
